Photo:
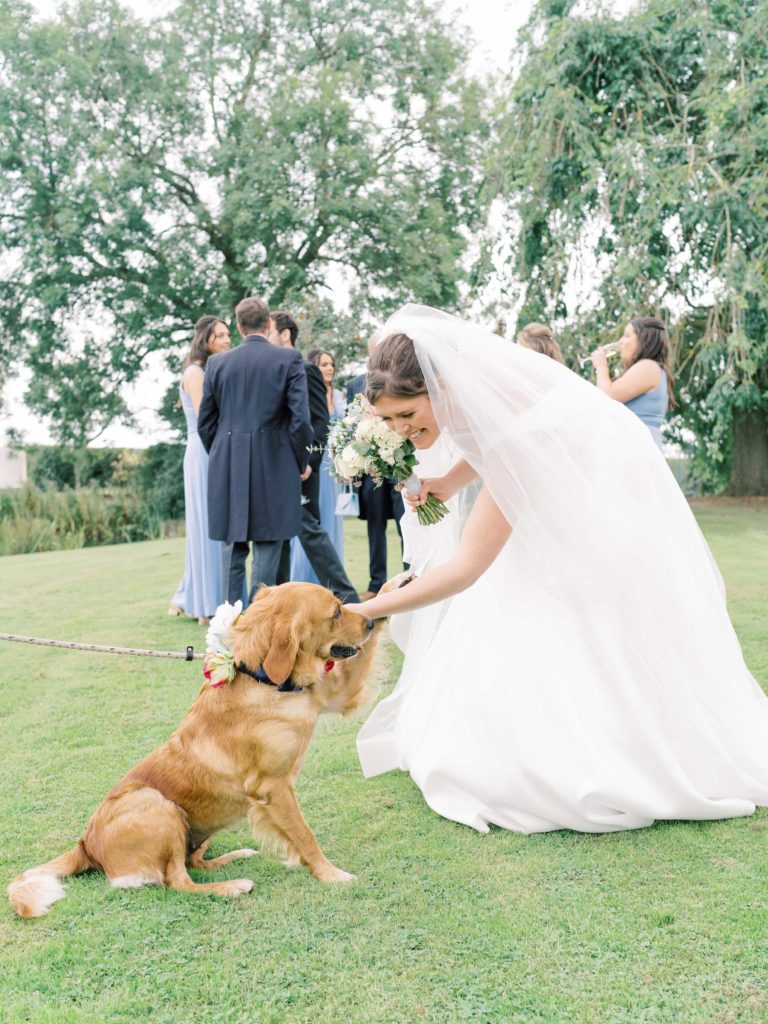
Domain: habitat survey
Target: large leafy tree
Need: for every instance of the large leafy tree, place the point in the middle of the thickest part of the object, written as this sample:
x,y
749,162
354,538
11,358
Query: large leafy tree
x,y
636,148
153,172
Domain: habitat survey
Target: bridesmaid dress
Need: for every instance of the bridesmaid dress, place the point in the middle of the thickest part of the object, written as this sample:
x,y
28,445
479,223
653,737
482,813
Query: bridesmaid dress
x,y
199,592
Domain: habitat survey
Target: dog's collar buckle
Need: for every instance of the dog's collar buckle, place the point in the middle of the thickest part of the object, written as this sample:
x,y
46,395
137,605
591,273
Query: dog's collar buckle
x,y
261,677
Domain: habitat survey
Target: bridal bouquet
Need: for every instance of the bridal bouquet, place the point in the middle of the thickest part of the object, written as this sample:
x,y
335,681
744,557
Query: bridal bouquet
x,y
361,442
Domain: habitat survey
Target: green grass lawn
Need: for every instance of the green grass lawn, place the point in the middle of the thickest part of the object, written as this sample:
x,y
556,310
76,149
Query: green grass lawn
x,y
667,924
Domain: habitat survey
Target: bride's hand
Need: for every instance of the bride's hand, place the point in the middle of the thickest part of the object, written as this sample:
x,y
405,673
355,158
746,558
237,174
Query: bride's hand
x,y
429,485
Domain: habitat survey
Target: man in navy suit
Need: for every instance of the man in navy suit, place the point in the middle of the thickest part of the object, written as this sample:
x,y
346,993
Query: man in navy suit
x,y
377,504
254,423
318,546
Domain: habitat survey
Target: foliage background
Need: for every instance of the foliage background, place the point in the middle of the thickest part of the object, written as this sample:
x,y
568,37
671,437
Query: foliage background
x,y
637,148
150,172
154,172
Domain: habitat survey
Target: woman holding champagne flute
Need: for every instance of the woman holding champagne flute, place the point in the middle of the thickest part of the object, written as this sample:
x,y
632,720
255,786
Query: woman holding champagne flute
x,y
645,383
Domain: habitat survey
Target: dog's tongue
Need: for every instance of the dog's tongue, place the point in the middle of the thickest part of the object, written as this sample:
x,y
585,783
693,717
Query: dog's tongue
x,y
328,666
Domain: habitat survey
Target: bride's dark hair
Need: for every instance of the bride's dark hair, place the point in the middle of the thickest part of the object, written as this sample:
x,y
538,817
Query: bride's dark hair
x,y
394,370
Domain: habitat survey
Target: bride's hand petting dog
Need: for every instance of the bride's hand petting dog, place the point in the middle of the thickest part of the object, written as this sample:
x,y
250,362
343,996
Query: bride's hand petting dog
x,y
236,754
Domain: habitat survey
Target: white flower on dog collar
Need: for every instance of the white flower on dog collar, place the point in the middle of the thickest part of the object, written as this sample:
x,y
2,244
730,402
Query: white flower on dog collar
x,y
219,665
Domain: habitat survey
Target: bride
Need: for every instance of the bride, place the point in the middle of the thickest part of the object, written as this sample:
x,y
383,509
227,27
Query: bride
x,y
569,661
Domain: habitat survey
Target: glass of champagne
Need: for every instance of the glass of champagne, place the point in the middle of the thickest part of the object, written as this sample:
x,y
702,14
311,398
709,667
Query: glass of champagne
x,y
611,349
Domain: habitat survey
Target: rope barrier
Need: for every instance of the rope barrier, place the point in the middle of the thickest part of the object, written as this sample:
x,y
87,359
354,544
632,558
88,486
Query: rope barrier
x,y
68,645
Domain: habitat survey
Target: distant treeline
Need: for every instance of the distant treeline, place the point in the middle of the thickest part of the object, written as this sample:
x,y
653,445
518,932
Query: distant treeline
x,y
122,495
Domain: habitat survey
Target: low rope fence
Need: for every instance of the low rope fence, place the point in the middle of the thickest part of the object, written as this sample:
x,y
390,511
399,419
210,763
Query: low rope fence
x,y
187,655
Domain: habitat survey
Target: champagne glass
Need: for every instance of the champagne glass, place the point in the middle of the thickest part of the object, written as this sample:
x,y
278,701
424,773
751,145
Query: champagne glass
x,y
611,349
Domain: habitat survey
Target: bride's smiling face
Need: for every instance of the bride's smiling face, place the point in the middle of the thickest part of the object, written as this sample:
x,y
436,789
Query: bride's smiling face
x,y
410,417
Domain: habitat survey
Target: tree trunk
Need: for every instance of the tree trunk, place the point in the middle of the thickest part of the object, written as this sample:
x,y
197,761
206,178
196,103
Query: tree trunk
x,y
749,469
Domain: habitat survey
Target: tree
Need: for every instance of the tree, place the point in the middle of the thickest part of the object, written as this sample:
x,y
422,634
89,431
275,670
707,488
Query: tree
x,y
153,172
638,147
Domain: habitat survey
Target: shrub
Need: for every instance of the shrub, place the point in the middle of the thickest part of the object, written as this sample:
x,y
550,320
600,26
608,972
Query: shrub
x,y
55,468
160,480
34,520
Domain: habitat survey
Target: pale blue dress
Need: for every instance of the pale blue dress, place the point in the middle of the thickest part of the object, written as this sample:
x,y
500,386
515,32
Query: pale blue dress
x,y
199,592
652,407
301,570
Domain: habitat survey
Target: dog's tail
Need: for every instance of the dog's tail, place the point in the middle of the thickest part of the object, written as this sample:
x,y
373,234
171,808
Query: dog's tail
x,y
33,893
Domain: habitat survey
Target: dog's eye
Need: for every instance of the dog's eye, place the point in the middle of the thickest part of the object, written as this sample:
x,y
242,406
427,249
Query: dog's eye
x,y
337,613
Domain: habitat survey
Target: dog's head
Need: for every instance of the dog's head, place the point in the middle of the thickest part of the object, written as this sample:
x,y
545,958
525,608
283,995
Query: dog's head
x,y
291,631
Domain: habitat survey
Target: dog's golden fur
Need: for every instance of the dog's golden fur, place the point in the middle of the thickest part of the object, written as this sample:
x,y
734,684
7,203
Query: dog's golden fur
x,y
236,754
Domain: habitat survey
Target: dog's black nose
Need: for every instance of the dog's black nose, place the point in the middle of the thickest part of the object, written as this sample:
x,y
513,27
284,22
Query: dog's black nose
x,y
369,624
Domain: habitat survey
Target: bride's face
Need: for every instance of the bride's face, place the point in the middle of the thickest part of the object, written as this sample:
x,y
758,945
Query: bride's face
x,y
410,417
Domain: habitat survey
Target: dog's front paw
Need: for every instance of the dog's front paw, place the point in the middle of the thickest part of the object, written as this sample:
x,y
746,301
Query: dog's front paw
x,y
401,580
238,886
329,873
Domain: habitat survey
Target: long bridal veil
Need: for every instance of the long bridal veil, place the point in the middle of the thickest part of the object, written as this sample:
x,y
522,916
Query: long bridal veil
x,y
572,470
606,588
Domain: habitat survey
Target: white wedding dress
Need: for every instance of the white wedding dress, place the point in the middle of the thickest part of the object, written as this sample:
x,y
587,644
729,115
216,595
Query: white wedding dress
x,y
591,678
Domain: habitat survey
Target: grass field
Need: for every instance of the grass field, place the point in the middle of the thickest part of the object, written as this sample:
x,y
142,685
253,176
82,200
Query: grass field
x,y
667,924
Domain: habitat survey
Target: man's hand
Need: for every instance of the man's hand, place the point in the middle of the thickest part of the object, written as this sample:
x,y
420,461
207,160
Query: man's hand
x,y
306,474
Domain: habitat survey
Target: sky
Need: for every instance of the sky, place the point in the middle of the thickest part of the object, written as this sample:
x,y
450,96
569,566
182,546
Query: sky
x,y
493,24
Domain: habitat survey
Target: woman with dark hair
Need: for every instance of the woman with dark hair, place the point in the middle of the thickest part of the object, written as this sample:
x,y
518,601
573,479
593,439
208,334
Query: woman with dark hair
x,y
540,338
301,570
569,661
199,593
645,383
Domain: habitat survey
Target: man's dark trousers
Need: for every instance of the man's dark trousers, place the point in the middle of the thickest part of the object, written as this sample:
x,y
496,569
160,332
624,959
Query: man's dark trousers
x,y
318,546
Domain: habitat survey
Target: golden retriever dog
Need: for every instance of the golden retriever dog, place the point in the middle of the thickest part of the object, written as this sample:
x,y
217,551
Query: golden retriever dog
x,y
236,754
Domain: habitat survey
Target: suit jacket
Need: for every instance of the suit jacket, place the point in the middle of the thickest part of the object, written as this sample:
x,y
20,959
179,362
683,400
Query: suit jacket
x,y
254,423
319,416
320,419
382,502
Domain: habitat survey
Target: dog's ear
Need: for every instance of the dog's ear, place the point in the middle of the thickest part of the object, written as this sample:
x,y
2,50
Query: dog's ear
x,y
281,656
251,634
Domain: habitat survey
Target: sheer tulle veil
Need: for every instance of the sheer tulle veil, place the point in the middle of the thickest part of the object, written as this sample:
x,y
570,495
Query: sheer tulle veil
x,y
600,652
575,473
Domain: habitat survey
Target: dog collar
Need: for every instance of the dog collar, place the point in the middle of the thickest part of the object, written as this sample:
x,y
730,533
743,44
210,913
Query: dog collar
x,y
287,687
261,677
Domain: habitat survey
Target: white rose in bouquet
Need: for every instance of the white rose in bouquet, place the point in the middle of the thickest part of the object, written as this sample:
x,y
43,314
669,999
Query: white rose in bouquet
x,y
351,463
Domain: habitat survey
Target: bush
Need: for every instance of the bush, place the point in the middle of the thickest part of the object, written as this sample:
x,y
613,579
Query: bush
x,y
129,496
160,480
56,468
34,520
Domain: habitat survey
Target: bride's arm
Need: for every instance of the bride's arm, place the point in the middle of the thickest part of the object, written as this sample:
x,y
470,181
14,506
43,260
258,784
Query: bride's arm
x,y
458,477
485,534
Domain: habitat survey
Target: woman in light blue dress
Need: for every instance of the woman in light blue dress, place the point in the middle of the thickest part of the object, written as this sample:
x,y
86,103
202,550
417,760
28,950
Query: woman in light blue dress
x,y
645,383
199,592
301,570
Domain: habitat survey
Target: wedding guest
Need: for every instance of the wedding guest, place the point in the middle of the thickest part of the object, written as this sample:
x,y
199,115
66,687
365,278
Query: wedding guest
x,y
540,338
333,525
323,557
645,383
254,422
199,593
377,504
